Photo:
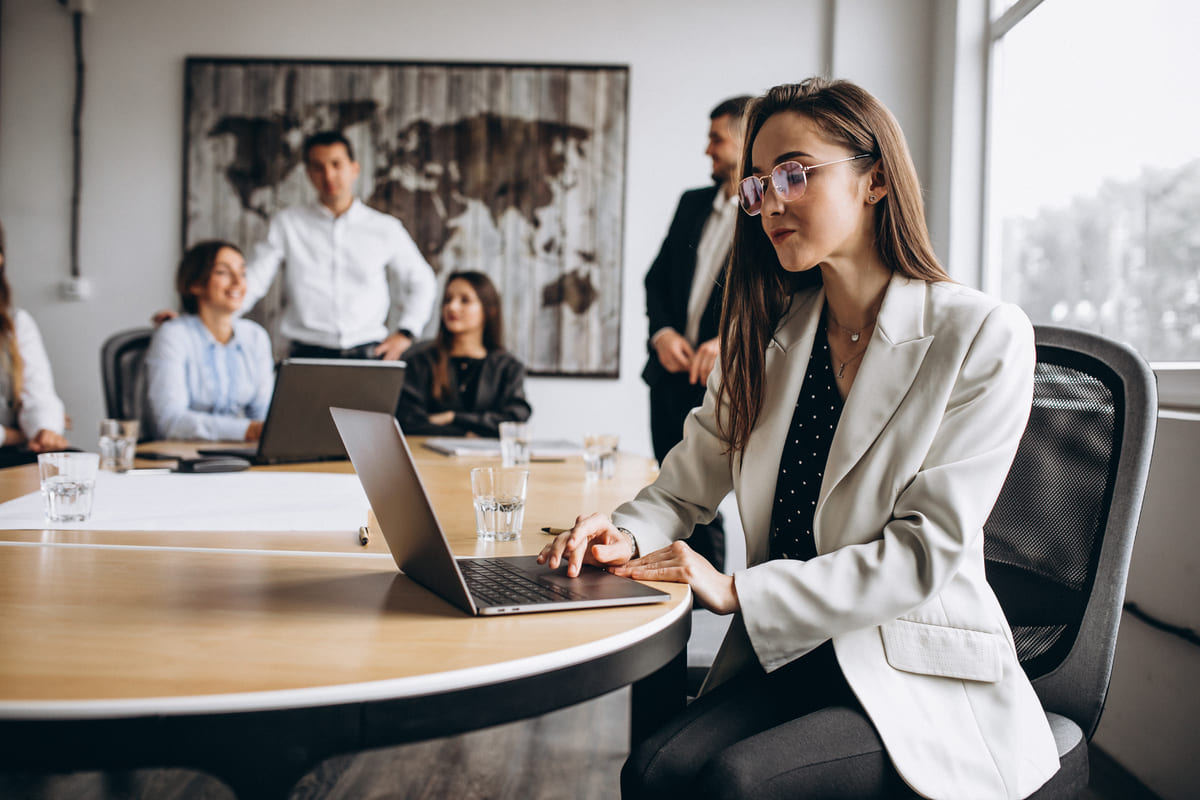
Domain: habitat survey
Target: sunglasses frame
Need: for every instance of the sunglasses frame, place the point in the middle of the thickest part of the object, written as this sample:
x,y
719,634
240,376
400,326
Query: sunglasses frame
x,y
779,170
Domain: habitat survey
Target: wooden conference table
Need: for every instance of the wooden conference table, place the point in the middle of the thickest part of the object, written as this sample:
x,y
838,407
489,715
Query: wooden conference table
x,y
254,655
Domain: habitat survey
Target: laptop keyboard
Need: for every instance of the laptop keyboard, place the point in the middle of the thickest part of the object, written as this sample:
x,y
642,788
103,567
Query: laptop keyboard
x,y
493,582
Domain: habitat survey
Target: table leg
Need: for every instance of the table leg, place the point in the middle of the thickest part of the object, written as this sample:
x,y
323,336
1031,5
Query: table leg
x,y
658,697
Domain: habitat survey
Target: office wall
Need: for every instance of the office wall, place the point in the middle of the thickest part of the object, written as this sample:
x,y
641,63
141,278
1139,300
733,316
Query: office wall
x,y
683,56
1149,722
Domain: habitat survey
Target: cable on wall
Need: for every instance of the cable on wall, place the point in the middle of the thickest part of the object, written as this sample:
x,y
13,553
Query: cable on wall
x,y
76,287
1189,635
76,141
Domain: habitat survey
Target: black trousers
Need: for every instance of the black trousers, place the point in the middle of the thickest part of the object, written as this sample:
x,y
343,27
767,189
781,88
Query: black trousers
x,y
301,350
798,732
671,399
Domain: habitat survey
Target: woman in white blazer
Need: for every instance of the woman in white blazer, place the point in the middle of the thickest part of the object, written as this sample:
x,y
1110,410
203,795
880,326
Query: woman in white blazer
x,y
31,412
866,412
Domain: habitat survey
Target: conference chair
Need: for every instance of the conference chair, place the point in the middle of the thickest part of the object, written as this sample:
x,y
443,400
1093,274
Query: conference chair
x,y
121,367
1057,545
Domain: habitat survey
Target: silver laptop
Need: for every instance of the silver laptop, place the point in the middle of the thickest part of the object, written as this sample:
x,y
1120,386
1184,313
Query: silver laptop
x,y
298,427
484,586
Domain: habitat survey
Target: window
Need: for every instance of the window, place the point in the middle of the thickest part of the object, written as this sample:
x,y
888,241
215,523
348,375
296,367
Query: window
x,y
1093,190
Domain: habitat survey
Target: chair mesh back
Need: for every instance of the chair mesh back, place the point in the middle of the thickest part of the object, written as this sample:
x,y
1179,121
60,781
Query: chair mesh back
x,y
121,367
131,382
1042,540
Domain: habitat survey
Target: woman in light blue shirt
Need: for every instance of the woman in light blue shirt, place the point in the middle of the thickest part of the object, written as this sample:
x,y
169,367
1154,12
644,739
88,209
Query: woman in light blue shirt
x,y
209,372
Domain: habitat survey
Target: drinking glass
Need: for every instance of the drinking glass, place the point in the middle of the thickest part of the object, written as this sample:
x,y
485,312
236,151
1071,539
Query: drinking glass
x,y
68,483
499,495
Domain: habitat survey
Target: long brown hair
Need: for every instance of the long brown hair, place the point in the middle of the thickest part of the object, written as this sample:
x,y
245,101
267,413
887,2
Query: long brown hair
x,y
493,327
8,328
758,290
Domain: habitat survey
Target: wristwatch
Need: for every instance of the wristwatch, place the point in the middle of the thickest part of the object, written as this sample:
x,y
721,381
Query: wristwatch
x,y
632,540
406,332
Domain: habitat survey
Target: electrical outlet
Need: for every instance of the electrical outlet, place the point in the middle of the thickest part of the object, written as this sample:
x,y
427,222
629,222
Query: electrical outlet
x,y
75,289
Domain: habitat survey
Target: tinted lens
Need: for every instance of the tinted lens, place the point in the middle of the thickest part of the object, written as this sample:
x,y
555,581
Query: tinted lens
x,y
750,193
789,181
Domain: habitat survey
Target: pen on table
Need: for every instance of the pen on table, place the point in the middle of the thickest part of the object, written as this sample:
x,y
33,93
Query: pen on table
x,y
555,531
364,535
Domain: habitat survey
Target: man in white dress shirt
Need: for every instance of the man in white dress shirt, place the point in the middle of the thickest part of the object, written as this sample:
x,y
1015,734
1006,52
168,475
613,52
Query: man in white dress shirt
x,y
346,266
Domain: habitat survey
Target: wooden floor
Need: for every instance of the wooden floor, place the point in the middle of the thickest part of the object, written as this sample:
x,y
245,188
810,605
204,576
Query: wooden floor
x,y
576,752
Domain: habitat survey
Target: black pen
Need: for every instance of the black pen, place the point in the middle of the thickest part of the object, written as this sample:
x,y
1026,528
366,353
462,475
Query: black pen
x,y
555,531
364,535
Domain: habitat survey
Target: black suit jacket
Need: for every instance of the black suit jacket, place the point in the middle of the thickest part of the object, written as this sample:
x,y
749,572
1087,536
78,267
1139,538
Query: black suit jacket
x,y
669,280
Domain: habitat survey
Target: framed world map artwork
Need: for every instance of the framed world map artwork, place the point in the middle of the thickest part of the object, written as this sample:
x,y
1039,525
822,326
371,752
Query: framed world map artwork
x,y
516,170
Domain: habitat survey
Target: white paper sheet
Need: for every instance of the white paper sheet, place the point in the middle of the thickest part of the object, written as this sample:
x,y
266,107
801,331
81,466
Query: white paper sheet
x,y
242,501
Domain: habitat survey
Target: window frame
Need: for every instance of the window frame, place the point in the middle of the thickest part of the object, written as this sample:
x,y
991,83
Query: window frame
x,y
1178,381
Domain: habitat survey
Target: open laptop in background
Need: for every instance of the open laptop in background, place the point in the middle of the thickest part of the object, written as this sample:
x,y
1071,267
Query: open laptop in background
x,y
481,586
298,426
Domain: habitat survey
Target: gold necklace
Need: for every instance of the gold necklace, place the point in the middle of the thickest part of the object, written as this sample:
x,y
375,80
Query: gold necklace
x,y
842,368
854,335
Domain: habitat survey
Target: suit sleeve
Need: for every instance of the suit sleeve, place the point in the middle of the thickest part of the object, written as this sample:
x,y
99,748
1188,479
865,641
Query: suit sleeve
x,y
791,607
695,477
660,278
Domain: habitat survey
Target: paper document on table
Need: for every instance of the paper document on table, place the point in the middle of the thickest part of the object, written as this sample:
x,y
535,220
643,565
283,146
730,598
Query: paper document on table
x,y
539,449
244,501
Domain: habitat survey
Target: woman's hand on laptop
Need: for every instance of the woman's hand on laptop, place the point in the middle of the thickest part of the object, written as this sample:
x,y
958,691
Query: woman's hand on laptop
x,y
594,540
679,563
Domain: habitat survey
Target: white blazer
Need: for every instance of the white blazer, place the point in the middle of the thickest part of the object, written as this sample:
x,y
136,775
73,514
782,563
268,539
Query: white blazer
x,y
924,443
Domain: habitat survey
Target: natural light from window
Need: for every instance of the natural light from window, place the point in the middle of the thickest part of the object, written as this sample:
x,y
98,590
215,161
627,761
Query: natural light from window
x,y
1094,189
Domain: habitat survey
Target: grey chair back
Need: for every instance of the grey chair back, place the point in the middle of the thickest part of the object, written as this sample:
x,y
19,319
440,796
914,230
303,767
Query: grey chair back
x,y
1059,539
121,367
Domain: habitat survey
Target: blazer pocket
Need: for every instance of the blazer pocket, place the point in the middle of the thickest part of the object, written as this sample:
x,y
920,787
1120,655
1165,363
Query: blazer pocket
x,y
947,652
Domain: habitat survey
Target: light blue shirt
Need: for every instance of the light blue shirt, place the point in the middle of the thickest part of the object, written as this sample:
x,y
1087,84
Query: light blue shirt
x,y
199,388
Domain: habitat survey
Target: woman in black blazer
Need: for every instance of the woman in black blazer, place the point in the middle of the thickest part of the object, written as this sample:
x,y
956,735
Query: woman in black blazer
x,y
464,382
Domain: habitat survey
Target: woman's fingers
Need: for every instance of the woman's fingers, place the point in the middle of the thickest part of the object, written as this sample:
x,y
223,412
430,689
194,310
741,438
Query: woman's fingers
x,y
574,545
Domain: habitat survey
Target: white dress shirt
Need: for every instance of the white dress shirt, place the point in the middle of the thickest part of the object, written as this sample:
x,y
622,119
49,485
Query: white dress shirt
x,y
198,388
343,275
711,253
40,407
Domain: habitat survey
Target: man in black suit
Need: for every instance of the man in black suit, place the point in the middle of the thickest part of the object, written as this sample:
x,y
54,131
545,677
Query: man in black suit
x,y
683,300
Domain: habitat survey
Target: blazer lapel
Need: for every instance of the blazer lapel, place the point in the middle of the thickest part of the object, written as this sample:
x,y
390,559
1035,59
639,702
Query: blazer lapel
x,y
786,364
894,356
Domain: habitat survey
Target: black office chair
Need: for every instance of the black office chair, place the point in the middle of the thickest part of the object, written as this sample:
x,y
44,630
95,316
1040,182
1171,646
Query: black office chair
x,y
1058,544
1059,539
121,367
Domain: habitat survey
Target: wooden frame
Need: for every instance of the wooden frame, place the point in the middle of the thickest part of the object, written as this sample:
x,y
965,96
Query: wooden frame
x,y
514,169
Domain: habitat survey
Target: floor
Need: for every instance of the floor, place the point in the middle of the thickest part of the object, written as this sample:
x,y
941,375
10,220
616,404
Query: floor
x,y
573,753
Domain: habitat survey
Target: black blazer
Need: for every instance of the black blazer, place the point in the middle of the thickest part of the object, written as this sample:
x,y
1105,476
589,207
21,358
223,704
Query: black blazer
x,y
499,397
669,280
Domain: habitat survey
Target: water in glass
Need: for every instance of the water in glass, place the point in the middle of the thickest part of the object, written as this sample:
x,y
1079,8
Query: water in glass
x,y
67,499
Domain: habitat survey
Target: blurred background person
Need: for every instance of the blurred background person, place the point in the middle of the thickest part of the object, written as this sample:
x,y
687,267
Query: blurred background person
x,y
209,372
683,301
464,382
30,410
